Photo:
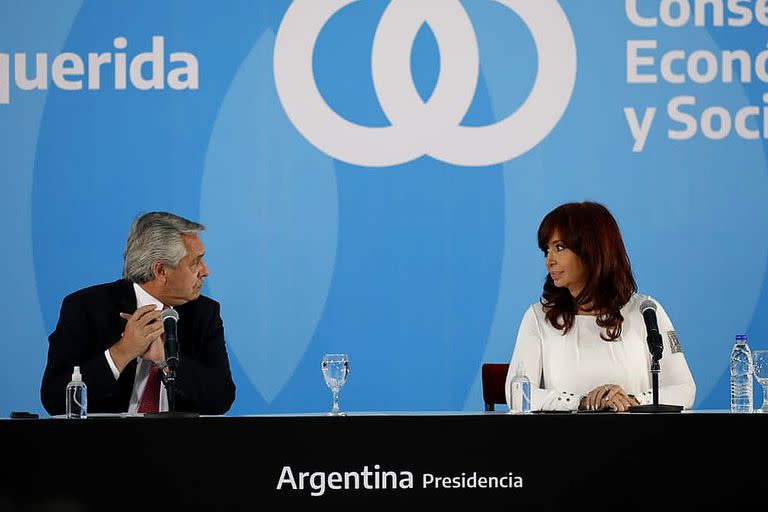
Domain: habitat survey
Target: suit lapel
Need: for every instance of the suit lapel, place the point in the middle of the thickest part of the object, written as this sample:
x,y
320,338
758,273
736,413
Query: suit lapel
x,y
126,296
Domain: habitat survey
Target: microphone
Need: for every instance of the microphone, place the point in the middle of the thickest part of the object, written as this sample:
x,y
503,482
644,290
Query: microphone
x,y
655,344
656,347
170,317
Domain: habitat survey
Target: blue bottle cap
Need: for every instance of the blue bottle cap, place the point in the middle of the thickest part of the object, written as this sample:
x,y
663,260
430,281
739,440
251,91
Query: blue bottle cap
x,y
741,337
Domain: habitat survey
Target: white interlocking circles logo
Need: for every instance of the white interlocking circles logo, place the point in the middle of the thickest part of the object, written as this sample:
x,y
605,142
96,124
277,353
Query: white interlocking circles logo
x,y
419,128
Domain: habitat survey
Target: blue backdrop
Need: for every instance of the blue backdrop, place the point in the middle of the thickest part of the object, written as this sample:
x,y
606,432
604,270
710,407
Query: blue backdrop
x,y
372,173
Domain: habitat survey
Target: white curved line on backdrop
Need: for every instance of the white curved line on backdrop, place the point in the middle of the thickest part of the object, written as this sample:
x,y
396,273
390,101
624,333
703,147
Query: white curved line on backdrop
x,y
31,27
269,203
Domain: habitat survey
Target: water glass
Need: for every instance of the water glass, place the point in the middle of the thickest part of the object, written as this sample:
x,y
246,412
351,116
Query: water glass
x,y
760,367
335,372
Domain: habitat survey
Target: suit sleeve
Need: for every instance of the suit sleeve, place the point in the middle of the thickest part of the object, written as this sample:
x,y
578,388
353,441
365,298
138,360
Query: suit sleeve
x,y
205,382
72,344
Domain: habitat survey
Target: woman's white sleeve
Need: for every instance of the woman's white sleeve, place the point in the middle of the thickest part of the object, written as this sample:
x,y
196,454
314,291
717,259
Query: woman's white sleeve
x,y
676,384
528,355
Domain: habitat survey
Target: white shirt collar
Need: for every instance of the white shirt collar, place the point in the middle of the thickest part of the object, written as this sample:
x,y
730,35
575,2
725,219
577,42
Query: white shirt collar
x,y
143,298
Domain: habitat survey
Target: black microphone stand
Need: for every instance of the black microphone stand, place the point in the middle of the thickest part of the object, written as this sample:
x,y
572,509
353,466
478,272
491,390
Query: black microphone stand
x,y
170,318
654,341
170,386
169,379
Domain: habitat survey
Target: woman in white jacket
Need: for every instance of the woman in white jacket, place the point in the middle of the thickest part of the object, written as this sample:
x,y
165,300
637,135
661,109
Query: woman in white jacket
x,y
583,345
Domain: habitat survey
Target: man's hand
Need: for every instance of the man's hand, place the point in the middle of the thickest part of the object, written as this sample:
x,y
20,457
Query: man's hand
x,y
156,351
142,329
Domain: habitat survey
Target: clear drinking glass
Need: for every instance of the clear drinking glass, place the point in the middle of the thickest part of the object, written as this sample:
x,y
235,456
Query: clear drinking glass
x,y
335,372
760,364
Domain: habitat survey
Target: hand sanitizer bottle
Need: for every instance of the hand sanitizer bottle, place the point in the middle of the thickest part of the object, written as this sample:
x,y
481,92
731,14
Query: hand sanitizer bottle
x,y
77,396
521,392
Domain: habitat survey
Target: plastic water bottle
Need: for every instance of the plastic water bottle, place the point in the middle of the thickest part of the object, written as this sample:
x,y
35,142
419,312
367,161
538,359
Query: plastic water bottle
x,y
741,375
77,396
521,392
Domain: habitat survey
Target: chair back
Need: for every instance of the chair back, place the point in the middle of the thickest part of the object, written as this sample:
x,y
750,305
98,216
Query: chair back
x,y
494,378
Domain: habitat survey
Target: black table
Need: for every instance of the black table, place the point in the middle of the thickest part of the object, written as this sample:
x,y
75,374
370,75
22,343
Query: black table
x,y
446,460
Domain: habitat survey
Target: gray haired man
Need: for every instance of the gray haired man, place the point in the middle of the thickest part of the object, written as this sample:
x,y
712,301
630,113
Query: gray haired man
x,y
113,331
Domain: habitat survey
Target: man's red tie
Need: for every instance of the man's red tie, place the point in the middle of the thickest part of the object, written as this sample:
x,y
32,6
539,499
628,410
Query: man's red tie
x,y
150,399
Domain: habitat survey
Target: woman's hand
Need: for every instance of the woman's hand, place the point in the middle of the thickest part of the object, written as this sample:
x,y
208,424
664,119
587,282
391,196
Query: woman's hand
x,y
608,396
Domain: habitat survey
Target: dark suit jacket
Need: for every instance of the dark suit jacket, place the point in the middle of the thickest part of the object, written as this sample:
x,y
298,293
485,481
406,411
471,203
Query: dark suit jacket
x,y
90,322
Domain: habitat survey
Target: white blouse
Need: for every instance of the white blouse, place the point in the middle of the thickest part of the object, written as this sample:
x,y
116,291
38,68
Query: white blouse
x,y
563,368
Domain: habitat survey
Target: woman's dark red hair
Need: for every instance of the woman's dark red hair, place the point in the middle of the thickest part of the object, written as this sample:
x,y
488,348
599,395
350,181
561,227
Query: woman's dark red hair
x,y
589,230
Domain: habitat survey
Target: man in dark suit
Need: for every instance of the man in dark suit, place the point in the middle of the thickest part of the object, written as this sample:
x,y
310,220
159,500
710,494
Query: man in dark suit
x,y
114,334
